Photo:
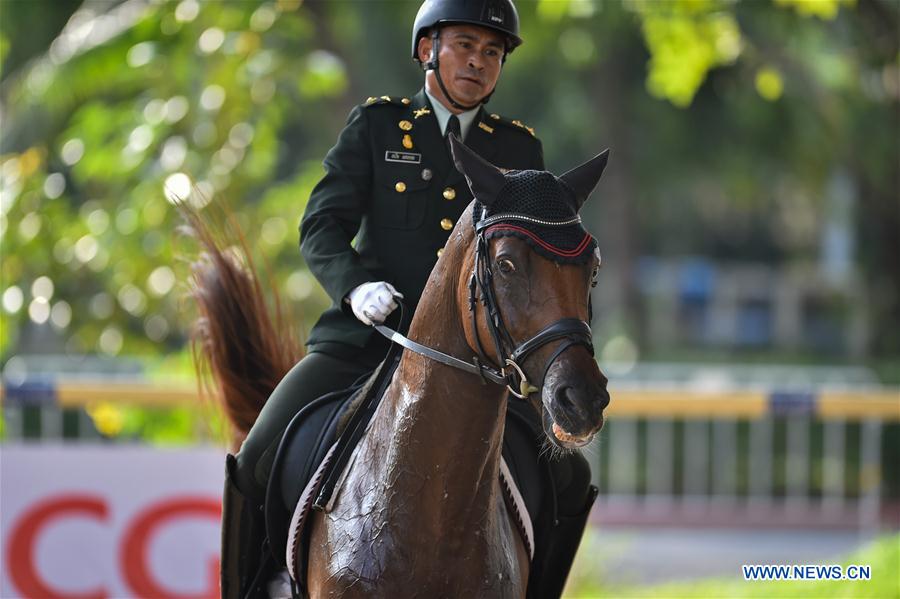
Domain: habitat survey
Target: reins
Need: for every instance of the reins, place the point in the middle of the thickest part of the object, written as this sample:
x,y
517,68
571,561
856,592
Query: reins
x,y
481,283
485,372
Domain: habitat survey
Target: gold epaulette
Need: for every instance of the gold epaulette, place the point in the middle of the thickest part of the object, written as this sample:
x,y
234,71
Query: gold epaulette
x,y
513,123
396,100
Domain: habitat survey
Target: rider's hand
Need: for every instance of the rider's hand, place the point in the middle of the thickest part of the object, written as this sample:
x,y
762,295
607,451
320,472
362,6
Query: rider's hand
x,y
372,302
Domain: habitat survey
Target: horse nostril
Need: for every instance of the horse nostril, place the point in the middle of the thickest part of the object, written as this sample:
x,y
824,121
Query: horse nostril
x,y
578,409
573,407
603,399
565,398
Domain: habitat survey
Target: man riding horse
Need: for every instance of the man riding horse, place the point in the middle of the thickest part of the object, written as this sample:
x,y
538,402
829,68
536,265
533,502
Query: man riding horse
x,y
391,185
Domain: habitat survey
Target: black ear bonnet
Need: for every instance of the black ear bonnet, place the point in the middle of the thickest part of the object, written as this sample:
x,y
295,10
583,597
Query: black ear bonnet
x,y
528,199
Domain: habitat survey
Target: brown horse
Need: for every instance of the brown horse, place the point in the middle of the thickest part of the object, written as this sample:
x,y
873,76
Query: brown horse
x,y
419,511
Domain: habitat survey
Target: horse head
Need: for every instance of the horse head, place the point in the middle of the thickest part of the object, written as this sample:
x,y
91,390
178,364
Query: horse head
x,y
533,267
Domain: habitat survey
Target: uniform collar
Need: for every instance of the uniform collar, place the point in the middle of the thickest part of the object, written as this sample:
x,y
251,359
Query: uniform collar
x,y
428,134
443,115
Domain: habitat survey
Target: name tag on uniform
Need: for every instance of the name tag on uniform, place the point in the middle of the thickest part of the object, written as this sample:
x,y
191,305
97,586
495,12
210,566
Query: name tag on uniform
x,y
408,157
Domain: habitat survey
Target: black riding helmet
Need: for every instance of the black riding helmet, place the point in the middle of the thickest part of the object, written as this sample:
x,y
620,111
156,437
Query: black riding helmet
x,y
499,15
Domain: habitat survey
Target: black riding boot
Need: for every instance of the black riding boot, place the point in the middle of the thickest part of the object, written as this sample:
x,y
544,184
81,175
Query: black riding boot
x,y
551,565
558,553
243,564
571,496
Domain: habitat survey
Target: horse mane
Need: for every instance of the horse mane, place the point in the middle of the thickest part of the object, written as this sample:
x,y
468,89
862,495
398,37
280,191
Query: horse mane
x,y
241,347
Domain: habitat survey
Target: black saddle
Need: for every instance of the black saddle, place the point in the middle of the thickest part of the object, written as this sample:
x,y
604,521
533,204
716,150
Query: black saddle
x,y
334,422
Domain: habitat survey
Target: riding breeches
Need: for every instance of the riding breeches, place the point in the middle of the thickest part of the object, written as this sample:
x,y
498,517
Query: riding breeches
x,y
312,377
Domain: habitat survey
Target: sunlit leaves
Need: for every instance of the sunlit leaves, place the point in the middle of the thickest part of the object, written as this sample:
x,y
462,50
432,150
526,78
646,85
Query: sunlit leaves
x,y
824,9
689,38
4,47
178,102
240,100
555,10
108,418
769,83
686,40
577,46
324,75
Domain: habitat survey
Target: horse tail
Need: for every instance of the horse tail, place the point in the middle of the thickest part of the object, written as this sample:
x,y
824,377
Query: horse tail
x,y
241,346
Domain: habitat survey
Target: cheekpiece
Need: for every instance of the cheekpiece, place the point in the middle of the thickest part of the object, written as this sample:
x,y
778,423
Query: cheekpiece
x,y
542,210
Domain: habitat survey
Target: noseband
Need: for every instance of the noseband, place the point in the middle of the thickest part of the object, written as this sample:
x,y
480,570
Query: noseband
x,y
572,331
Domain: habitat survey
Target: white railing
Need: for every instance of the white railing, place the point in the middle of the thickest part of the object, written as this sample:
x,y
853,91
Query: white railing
x,y
667,455
750,458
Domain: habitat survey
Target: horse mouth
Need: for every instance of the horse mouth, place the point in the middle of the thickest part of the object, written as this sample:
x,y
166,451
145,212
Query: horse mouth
x,y
563,438
568,440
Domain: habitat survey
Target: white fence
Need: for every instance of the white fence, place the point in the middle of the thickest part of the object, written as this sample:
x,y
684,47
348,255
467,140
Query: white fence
x,y
751,457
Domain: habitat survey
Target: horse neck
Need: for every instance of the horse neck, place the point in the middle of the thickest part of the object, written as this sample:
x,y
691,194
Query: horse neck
x,y
443,425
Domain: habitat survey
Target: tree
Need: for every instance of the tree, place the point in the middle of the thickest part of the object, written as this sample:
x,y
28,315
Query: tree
x,y
725,117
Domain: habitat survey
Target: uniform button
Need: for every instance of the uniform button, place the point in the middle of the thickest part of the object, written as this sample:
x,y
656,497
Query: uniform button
x,y
439,252
400,186
446,224
449,193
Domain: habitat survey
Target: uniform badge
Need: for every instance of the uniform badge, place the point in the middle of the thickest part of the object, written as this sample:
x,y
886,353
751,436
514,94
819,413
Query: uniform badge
x,y
406,157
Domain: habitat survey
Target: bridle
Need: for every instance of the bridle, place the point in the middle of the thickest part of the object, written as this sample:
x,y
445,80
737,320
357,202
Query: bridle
x,y
572,331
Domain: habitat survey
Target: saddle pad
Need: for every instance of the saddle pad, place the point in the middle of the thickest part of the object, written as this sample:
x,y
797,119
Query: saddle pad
x,y
295,553
516,506
303,447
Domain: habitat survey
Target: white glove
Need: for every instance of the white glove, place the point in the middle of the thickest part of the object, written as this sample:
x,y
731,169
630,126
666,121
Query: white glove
x,y
372,302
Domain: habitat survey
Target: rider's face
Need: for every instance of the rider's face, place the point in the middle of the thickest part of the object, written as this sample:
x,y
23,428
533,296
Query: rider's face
x,y
470,61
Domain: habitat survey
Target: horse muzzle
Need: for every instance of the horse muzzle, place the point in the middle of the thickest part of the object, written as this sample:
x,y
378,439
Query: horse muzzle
x,y
574,396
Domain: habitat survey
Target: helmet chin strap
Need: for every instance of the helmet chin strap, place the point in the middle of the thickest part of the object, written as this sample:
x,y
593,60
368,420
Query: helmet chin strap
x,y
434,65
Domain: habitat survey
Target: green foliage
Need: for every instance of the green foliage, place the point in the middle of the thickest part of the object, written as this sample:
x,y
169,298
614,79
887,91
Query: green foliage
x,y
184,425
686,40
882,555
689,38
176,426
753,110
4,47
824,9
202,89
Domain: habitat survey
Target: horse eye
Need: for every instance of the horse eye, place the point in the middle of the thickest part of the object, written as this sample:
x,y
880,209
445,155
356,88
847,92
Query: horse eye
x,y
506,266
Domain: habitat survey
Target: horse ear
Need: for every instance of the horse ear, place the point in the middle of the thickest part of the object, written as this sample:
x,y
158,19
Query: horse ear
x,y
583,179
484,179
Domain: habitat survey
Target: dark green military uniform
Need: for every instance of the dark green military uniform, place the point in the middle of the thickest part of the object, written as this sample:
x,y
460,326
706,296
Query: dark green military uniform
x,y
390,184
